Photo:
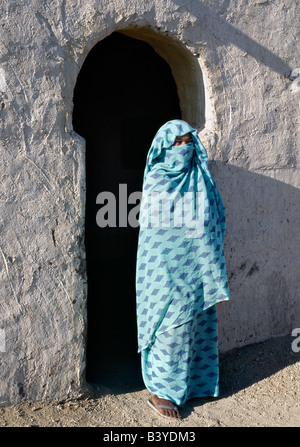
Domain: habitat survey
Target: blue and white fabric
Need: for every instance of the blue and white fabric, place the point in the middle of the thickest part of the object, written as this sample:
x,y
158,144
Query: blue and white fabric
x,y
180,269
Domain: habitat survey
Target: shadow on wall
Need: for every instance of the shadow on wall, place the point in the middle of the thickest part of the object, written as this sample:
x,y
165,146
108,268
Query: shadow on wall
x,y
262,255
225,33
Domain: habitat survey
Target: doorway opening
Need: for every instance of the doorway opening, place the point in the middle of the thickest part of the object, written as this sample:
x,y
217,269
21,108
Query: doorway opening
x,y
124,92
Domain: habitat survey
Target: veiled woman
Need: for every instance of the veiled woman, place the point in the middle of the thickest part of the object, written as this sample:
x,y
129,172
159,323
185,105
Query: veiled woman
x,y
180,270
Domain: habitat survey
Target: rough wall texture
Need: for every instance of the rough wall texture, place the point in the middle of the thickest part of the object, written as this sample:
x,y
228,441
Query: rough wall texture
x,y
247,51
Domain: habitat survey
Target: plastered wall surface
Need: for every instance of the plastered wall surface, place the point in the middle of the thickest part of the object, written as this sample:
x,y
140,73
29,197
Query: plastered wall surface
x,y
247,52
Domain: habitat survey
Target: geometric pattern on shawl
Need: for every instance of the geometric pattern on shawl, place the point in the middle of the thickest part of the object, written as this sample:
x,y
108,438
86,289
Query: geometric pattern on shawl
x,y
180,269
196,374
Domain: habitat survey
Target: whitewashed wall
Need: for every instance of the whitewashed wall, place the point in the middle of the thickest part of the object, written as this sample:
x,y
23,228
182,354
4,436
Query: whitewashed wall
x,y
247,51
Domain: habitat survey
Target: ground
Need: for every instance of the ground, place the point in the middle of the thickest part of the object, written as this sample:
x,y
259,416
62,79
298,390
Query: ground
x,y
259,387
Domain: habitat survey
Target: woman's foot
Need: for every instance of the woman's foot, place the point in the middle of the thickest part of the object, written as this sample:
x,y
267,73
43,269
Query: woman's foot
x,y
171,410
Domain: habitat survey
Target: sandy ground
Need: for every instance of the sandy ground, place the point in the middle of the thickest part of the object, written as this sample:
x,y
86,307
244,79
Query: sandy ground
x,y
259,387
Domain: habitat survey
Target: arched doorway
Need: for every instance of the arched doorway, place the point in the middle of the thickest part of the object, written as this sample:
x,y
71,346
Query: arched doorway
x,y
124,92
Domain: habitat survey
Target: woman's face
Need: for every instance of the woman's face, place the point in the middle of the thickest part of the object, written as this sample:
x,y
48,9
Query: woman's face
x,y
184,139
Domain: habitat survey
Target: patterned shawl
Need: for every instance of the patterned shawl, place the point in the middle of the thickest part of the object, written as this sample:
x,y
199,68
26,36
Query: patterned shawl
x,y
180,268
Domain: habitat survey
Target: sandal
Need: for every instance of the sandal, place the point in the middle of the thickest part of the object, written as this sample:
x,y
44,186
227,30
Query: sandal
x,y
155,408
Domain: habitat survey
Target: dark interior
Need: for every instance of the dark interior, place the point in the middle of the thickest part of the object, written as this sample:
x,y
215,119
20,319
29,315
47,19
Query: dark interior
x,y
124,92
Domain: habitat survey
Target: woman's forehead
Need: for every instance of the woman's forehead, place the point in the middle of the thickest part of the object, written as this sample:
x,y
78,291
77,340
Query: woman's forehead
x,y
185,135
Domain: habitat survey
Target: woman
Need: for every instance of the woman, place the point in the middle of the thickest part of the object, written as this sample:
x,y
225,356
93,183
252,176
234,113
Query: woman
x,y
181,272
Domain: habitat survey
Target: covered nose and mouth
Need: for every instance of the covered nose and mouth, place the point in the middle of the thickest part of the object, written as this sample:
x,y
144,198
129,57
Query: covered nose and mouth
x,y
181,153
